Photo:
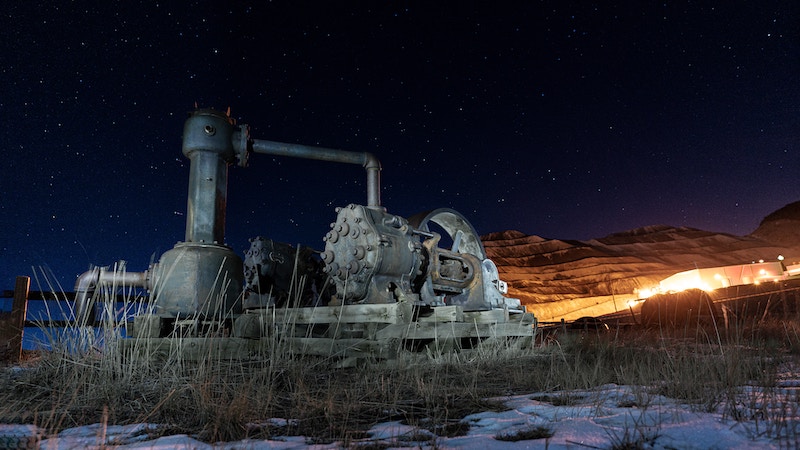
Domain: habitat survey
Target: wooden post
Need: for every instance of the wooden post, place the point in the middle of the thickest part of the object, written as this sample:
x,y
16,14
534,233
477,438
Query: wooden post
x,y
11,332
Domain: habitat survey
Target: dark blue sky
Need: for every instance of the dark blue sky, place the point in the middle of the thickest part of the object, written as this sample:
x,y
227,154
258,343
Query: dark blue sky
x,y
565,120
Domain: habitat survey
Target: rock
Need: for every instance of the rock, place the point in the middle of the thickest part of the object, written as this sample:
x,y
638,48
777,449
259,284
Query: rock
x,y
540,270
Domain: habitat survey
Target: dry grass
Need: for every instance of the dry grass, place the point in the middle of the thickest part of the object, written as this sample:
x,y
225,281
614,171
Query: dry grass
x,y
284,394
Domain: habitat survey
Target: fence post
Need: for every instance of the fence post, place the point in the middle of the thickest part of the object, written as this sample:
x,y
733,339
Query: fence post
x,y
11,334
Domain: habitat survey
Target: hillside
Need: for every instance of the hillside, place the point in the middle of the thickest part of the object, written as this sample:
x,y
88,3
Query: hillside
x,y
540,270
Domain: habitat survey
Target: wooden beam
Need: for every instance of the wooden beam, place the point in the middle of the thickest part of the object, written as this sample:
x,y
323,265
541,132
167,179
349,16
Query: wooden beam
x,y
13,324
367,313
451,313
453,330
491,316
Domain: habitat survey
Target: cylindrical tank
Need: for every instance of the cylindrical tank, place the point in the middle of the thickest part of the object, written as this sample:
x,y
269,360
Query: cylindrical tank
x,y
198,280
208,143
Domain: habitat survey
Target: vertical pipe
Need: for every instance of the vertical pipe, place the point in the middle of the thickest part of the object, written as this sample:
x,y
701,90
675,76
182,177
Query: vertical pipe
x,y
207,142
207,199
373,167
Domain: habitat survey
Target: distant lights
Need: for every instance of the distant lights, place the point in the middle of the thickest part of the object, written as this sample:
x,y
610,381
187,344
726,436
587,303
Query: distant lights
x,y
649,292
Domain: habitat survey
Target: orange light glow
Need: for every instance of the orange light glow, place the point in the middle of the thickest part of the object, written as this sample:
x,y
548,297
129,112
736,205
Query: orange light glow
x,y
709,279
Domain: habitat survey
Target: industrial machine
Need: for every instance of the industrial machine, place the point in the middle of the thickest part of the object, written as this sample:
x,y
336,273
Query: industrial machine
x,y
380,277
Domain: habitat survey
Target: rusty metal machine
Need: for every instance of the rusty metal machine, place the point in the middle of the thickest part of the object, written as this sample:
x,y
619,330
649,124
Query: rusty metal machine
x,y
376,257
278,274
382,276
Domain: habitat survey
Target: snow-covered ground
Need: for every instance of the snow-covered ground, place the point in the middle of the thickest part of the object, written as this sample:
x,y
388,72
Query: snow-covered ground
x,y
606,417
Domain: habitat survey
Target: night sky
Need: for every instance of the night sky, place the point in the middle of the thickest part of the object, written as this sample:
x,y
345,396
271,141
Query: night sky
x,y
568,121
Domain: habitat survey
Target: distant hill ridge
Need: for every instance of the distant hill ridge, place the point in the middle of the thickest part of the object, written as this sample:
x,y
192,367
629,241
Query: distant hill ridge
x,y
540,270
781,227
788,212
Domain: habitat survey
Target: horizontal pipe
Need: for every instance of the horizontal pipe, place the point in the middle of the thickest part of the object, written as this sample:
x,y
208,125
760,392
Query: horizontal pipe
x,y
88,280
126,279
364,159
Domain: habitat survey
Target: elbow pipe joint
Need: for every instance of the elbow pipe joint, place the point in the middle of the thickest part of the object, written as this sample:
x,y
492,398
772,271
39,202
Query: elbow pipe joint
x,y
364,159
87,283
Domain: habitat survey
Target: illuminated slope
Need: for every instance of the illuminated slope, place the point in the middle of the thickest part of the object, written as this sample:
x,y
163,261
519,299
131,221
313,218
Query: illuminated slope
x,y
540,270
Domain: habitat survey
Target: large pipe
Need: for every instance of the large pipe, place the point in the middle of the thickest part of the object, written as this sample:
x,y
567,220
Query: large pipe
x,y
88,281
208,143
364,159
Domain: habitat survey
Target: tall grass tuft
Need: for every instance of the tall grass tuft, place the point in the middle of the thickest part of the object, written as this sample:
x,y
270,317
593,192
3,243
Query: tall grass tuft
x,y
84,377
